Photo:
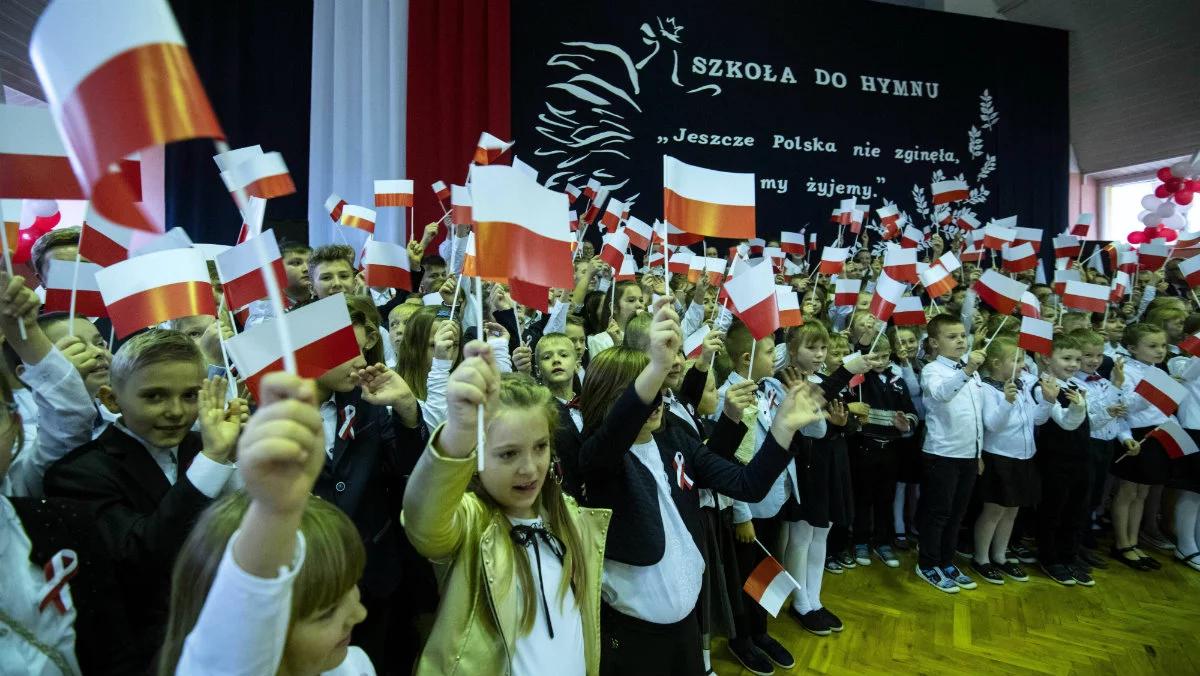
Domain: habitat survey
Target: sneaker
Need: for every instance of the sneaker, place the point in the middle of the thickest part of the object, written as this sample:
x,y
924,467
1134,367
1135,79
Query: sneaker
x,y
1092,559
812,621
988,572
862,555
1059,573
1014,571
832,566
753,659
959,577
834,622
1158,541
1023,554
845,560
934,577
774,651
902,543
1081,576
885,554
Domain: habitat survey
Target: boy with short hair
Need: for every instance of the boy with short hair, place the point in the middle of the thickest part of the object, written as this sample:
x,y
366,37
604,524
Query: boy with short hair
x,y
331,270
952,453
60,244
299,288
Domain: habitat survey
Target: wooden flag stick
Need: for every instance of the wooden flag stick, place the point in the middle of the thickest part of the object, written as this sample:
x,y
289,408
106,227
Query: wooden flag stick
x,y
1140,441
1015,362
479,436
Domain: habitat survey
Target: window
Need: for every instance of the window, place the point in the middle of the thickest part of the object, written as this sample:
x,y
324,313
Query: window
x,y
1120,204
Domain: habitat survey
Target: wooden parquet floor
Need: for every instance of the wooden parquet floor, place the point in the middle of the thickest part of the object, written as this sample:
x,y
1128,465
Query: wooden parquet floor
x,y
1131,622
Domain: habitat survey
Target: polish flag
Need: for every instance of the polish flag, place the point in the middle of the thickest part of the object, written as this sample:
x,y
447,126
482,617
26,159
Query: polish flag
x,y
938,281
572,193
322,336
888,214
655,259
469,268
60,278
1067,246
708,202
775,255
752,294
948,262
677,237
1085,297
695,268
999,292
85,51
1191,344
240,270
1082,225
911,237
680,261
530,295
909,312
229,159
612,214
845,292
788,303
489,148
1037,335
846,211
1152,256
614,248
835,215
640,233
628,271
949,191
386,265
519,164
1161,389
715,269
522,226
1174,439
900,264
1127,260
1031,235
1061,277
441,191
591,189
888,293
154,288
1019,258
593,210
573,220
995,237
1120,282
812,241
1190,269
460,205
252,219
693,345
102,242
971,254
856,219
967,221
833,259
1187,240
394,193
757,244
334,205
1030,307
355,216
770,585
264,176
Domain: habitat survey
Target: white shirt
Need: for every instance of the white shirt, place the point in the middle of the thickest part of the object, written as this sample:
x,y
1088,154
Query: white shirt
x,y
329,421
599,342
575,413
1008,428
1189,409
535,653
20,595
243,626
208,476
667,591
953,410
1140,412
1115,350
1102,395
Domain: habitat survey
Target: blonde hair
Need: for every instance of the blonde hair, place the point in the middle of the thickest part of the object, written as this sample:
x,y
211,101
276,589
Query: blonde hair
x,y
333,563
1002,347
154,346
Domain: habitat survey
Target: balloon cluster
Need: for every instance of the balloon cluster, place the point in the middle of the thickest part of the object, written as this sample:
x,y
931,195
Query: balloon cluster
x,y
1152,233
45,216
1165,211
1177,183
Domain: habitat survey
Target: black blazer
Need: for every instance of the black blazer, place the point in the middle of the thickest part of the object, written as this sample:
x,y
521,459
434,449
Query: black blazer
x,y
566,447
102,640
141,518
615,479
365,478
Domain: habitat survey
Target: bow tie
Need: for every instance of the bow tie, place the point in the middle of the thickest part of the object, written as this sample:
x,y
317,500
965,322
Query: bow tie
x,y
574,403
524,536
1093,378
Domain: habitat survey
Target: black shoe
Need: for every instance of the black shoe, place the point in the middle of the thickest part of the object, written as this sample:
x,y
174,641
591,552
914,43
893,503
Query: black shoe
x,y
1059,573
902,543
753,659
1092,560
834,622
1014,571
774,651
845,560
988,572
813,621
1079,563
1136,563
1148,561
1082,577
1023,554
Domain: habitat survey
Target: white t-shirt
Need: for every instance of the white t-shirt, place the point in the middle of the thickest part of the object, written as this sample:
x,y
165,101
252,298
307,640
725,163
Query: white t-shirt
x,y
536,654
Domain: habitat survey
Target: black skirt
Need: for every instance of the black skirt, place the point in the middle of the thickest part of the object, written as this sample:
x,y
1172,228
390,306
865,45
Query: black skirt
x,y
1151,466
826,495
1185,471
1009,482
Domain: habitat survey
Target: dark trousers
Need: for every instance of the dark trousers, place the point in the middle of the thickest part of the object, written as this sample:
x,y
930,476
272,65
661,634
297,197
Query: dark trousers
x,y
1100,454
873,469
1062,512
945,491
633,647
749,556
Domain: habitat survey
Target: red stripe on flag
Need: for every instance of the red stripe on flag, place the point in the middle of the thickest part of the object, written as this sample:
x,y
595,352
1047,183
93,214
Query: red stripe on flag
x,y
269,187
387,276
394,200
764,573
998,302
157,305
317,358
707,218
1032,343
244,290
87,303
102,251
520,252
38,177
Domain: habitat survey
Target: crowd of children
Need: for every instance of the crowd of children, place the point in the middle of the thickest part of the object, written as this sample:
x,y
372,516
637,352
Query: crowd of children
x,y
625,490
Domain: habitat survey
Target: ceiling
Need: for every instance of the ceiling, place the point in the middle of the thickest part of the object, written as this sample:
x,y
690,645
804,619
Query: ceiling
x,y
1134,70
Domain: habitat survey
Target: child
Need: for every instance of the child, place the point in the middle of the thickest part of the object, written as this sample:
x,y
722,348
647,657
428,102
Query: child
x,y
266,581
1185,471
1113,331
953,396
131,473
905,352
540,554
299,287
331,269
398,323
555,367
629,302
1147,465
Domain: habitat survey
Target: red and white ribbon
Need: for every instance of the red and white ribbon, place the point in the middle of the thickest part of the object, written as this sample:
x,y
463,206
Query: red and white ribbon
x,y
681,477
346,431
59,570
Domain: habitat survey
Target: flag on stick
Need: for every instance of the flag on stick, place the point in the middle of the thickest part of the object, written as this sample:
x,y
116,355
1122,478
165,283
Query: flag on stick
x,y
770,585
909,312
788,304
59,279
490,148
945,192
1037,335
888,293
707,202
154,288
1174,439
846,292
999,292
1085,297
752,294
240,270
1161,389
523,228
386,265
394,193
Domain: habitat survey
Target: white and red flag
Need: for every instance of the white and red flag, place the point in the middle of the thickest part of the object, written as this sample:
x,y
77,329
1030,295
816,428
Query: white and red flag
x,y
911,237
752,294
888,214
614,248
845,292
695,268
967,221
523,228
999,292
460,205
1120,282
708,202
833,259
640,233
33,161
240,270
714,268
945,192
1019,258
1191,344
387,265
441,191
792,242
693,345
572,193
677,237
265,175
104,243
846,211
1152,255
757,244
61,277
334,205
628,270
612,214
900,264
1030,307
909,312
394,193
888,293
1190,269
937,281
86,51
1031,235
770,585
1061,277
362,218
1037,335
321,334
1160,389
530,295
680,261
591,189
788,303
1067,246
154,288
995,237
1082,225
1085,297
490,148
812,241
520,165
1174,439
1127,260
1187,240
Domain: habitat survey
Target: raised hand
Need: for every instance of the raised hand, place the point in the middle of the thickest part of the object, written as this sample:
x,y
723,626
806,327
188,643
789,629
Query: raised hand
x,y
445,341
615,332
714,342
495,330
18,303
383,387
1050,388
429,233
1077,398
837,413
801,407
282,449
974,360
665,338
476,381
416,251
522,359
446,290
1118,372
219,424
790,376
740,397
80,354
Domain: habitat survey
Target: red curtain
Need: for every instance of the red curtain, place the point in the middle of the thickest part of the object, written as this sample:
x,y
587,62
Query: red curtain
x,y
458,86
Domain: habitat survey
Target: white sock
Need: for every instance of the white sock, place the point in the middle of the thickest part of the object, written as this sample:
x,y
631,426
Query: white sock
x,y
797,561
816,573
707,659
1187,523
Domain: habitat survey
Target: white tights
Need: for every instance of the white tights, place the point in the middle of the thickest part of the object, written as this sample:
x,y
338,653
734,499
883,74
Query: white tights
x,y
993,528
1187,522
803,549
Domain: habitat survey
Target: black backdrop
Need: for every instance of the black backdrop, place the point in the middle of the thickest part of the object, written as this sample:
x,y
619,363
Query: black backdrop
x,y
605,88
